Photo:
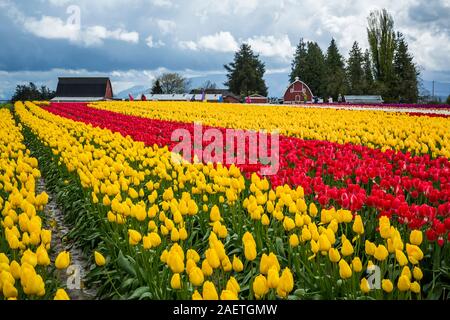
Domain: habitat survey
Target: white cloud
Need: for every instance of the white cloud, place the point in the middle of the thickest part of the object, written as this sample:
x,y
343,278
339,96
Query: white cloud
x,y
221,41
270,46
163,3
54,28
188,45
166,26
154,44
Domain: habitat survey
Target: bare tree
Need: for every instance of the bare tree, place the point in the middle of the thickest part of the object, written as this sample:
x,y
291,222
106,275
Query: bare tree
x,y
172,83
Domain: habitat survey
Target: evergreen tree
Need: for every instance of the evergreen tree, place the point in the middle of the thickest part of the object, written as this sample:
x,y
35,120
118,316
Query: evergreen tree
x,y
368,83
314,69
298,64
406,73
157,89
355,71
334,72
246,73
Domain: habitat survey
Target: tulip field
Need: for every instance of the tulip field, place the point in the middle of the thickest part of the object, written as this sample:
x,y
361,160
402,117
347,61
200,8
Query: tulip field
x,y
359,207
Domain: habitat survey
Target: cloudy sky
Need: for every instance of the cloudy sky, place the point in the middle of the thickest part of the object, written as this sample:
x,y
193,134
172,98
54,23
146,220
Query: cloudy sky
x,y
135,40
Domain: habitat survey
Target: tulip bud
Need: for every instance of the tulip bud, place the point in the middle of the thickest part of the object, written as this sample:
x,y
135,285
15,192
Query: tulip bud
x,y
99,259
61,295
233,285
403,283
344,269
415,287
401,258
417,273
134,237
175,282
260,287
333,255
358,226
381,253
62,260
196,296
347,248
357,264
387,285
293,241
416,237
237,264
209,291
364,285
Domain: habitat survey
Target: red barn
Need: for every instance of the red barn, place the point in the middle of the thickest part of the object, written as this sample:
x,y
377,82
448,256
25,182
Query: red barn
x,y
296,92
257,99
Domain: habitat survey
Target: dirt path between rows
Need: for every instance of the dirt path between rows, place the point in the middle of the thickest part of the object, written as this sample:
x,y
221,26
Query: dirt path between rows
x,y
74,276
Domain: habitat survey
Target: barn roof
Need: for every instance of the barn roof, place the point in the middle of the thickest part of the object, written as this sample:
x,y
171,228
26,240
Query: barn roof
x,y
82,87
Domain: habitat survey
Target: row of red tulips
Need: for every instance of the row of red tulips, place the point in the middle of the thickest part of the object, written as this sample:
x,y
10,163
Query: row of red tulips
x,y
413,189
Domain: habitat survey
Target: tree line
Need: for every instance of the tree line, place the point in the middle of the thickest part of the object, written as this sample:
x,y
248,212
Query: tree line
x,y
387,68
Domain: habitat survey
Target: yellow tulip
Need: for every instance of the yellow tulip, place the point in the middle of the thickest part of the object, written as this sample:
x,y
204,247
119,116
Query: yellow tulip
x,y
286,283
416,237
273,278
293,241
9,291
357,264
260,287
233,285
62,260
417,273
134,237
206,268
238,266
415,287
334,255
401,258
215,214
99,259
381,253
175,282
415,254
213,258
196,277
61,295
358,226
364,285
403,283
196,296
324,243
209,291
387,285
347,248
344,269
228,295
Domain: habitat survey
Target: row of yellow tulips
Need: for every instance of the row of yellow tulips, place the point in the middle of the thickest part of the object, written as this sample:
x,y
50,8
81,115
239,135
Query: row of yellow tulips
x,y
24,242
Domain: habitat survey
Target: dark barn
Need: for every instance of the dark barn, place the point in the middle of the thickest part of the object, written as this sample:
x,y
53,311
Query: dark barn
x,y
83,89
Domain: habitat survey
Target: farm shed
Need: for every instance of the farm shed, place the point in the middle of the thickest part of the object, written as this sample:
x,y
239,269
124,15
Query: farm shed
x,y
228,97
257,99
296,92
363,99
83,89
